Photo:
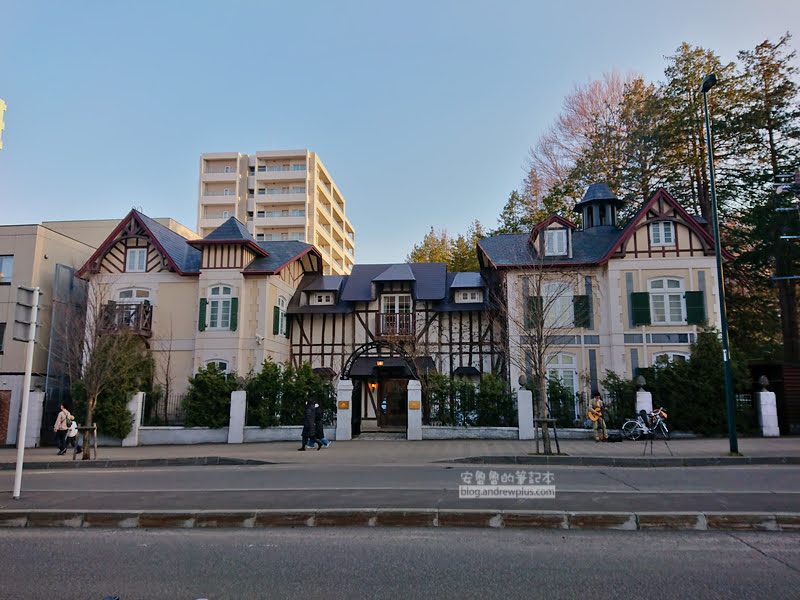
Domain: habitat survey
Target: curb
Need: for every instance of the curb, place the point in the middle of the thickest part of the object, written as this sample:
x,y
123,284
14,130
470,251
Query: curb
x,y
552,461
137,462
644,462
249,519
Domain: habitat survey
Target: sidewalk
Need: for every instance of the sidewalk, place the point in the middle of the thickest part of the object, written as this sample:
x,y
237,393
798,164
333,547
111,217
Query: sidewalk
x,y
679,452
232,508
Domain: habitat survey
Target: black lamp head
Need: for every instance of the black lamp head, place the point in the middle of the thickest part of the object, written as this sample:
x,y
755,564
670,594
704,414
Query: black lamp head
x,y
709,82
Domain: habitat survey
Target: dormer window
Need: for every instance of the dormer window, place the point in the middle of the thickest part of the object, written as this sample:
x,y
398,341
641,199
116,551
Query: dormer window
x,y
661,233
555,242
321,298
466,296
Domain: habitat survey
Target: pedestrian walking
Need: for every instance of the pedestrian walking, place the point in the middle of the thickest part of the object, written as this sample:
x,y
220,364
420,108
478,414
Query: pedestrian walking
x,y
309,426
73,439
63,421
318,429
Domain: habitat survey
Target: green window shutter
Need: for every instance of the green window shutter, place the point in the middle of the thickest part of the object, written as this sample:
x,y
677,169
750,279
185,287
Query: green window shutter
x,y
640,302
580,305
234,313
695,308
201,319
534,312
276,320
287,327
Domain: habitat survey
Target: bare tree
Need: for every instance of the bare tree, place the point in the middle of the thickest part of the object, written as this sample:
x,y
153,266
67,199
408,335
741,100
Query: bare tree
x,y
103,347
544,305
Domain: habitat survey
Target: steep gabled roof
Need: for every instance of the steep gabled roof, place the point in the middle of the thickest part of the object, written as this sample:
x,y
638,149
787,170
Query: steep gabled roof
x,y
182,258
274,256
231,231
595,245
429,282
685,218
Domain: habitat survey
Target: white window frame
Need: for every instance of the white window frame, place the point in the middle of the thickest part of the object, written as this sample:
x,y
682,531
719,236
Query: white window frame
x,y
469,296
136,260
222,364
564,367
671,356
556,242
282,315
662,233
321,298
219,307
397,303
667,301
557,303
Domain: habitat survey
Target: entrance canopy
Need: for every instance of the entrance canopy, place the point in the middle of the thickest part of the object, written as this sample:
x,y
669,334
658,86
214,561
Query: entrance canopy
x,y
393,366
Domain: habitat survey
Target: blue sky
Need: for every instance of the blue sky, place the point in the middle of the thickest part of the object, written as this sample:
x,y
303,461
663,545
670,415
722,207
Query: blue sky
x,y
422,111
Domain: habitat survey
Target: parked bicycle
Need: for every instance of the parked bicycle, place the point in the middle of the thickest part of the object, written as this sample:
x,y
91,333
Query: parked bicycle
x,y
646,424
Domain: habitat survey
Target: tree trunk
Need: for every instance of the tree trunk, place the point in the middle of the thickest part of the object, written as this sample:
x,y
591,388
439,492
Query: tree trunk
x,y
543,414
90,404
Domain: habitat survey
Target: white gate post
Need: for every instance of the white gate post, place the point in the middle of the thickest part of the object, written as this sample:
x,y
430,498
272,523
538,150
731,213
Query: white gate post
x,y
525,414
236,425
135,405
414,410
344,410
767,410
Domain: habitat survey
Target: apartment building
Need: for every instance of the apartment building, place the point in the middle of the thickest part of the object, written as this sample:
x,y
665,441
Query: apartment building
x,y
279,195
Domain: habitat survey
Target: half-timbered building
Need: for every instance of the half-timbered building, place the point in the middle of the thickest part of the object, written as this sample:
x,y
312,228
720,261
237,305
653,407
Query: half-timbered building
x,y
220,299
386,324
608,298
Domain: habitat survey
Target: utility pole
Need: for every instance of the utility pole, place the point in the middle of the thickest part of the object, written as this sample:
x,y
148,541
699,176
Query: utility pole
x,y
27,311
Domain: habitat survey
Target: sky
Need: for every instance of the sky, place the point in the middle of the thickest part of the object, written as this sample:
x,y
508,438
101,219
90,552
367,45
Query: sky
x,y
423,112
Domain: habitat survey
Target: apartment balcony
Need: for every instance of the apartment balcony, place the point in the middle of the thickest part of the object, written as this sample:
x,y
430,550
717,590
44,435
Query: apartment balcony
x,y
219,175
138,317
268,174
278,196
279,221
394,324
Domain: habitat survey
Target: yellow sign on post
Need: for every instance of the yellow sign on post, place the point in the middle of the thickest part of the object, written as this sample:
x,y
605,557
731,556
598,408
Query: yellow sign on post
x,y
2,123
413,404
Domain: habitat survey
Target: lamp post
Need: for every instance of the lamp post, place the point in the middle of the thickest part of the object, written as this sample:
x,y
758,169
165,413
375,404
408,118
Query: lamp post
x,y
709,82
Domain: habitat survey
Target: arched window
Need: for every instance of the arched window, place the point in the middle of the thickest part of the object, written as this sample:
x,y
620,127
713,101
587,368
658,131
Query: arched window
x,y
666,301
222,365
220,307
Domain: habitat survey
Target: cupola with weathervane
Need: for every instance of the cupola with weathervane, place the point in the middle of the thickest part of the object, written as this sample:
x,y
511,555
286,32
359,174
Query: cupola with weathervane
x,y
599,207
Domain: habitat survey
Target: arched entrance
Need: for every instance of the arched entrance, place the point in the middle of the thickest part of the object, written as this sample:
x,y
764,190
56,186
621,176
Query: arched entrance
x,y
380,373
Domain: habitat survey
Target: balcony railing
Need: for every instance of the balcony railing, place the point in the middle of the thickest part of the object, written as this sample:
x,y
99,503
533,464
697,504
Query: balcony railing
x,y
136,316
394,324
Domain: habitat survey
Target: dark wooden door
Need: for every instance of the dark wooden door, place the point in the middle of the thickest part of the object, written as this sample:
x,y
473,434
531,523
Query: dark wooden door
x,y
393,403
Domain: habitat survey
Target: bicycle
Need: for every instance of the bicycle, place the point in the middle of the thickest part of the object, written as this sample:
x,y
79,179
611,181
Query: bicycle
x,y
656,423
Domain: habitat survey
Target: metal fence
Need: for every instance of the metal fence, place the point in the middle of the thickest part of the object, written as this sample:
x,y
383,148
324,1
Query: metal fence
x,y
164,410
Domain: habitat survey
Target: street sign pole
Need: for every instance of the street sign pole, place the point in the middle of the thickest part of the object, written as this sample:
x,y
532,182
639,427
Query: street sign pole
x,y
26,393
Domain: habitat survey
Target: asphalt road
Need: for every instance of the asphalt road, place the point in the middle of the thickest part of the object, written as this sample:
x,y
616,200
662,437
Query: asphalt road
x,y
351,563
742,488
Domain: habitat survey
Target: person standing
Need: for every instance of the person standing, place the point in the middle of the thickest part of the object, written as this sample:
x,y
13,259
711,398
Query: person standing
x,y
60,429
596,407
309,425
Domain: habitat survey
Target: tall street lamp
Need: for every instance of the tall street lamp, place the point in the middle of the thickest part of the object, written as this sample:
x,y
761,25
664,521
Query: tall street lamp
x,y
709,82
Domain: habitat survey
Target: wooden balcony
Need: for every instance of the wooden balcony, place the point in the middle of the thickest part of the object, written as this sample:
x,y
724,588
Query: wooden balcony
x,y
394,324
136,316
